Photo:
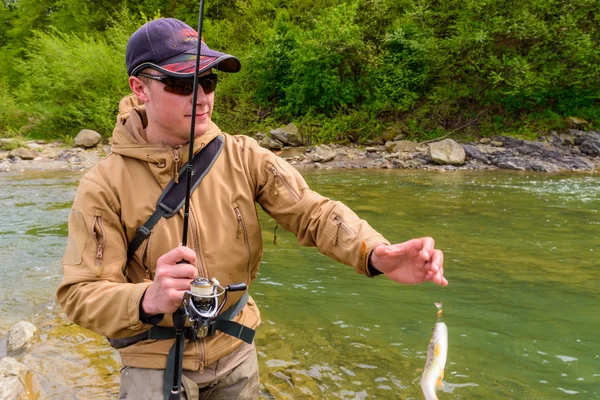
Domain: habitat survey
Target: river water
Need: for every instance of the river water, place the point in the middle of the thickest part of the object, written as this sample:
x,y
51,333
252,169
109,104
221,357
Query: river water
x,y
521,255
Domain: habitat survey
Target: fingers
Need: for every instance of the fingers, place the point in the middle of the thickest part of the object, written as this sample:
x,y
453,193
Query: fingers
x,y
435,269
177,254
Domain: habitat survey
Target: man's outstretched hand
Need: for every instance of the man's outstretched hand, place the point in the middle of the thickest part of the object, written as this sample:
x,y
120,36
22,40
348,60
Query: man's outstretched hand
x,y
411,262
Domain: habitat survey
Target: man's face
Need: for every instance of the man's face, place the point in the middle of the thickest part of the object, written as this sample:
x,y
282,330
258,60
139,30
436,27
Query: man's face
x,y
170,114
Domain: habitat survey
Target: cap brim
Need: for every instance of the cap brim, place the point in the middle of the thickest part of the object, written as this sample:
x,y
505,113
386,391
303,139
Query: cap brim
x,y
183,65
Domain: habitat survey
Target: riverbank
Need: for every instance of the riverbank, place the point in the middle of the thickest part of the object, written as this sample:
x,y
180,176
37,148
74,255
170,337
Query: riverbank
x,y
571,150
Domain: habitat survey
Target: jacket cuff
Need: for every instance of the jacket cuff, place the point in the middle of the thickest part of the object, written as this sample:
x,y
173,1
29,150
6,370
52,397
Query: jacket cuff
x,y
147,319
135,301
371,270
366,268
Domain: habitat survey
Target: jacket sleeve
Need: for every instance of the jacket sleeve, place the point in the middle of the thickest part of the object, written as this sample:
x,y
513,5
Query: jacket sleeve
x,y
94,292
315,220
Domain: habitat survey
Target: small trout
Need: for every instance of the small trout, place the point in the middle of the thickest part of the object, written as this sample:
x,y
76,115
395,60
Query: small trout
x,y
436,359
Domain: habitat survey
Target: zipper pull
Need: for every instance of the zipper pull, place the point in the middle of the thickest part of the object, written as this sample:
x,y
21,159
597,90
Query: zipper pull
x,y
338,222
238,214
176,160
276,174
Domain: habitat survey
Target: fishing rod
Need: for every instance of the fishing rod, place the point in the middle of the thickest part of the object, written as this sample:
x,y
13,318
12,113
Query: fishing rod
x,y
179,316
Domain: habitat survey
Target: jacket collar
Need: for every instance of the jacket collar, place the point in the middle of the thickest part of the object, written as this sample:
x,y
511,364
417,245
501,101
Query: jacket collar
x,y
129,138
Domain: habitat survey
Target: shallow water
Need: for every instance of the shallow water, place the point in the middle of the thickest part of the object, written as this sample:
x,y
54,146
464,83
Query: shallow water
x,y
521,308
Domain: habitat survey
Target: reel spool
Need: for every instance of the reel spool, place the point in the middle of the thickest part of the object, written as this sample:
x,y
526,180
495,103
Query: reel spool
x,y
203,302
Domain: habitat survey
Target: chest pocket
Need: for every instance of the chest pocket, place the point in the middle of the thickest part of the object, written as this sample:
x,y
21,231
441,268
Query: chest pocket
x,y
247,238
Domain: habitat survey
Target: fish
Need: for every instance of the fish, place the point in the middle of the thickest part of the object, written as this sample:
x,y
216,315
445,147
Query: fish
x,y
437,352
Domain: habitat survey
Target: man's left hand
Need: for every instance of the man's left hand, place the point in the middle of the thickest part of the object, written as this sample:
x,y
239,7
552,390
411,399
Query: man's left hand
x,y
411,262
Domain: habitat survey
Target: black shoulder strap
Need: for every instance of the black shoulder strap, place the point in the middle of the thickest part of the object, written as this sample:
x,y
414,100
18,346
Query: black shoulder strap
x,y
173,197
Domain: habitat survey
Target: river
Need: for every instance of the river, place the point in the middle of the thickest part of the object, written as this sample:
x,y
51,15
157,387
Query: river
x,y
521,255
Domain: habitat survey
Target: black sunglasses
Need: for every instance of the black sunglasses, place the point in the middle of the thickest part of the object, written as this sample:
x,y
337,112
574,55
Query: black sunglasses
x,y
184,86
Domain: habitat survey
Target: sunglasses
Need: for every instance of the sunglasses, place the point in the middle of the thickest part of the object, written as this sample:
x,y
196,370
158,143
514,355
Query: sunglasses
x,y
184,86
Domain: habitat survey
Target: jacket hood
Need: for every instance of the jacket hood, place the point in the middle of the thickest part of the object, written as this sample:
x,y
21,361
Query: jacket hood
x,y
129,137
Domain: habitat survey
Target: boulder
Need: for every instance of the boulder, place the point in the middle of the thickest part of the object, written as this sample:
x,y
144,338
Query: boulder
x,y
291,152
23,153
20,336
288,135
87,138
401,145
13,374
322,153
269,143
447,152
591,144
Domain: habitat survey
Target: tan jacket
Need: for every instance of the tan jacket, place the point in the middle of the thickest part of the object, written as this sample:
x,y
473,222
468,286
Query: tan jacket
x,y
101,290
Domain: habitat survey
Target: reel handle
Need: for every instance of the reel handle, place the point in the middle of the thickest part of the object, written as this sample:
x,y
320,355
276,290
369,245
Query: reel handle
x,y
236,287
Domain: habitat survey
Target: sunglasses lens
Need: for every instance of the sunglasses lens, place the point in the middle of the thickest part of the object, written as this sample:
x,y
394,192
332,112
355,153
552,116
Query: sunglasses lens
x,y
208,83
185,86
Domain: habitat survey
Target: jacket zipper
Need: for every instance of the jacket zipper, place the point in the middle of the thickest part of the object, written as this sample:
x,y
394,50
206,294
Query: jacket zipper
x,y
242,231
285,183
344,226
100,238
176,160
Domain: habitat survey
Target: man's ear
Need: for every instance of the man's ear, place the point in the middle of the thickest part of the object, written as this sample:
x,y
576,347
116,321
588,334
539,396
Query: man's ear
x,y
138,88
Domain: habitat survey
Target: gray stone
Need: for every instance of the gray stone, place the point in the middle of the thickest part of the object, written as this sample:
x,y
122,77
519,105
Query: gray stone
x,y
12,376
23,153
288,135
401,145
291,152
591,144
473,153
34,146
259,136
269,143
447,152
485,140
20,336
87,138
322,153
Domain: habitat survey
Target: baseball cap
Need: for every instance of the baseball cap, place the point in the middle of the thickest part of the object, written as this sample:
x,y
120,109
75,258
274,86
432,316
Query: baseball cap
x,y
169,45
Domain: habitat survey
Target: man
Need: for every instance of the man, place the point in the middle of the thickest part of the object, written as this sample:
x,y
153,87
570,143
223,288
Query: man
x,y
125,296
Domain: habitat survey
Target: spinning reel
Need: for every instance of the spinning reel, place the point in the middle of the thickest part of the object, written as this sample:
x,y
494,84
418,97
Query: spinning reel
x,y
204,302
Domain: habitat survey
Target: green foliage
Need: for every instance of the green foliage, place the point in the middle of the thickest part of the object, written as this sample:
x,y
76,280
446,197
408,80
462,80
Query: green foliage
x,y
344,70
72,81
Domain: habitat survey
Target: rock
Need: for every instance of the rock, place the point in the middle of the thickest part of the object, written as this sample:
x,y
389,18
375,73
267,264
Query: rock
x,y
22,153
291,152
259,136
473,153
87,138
485,140
3,155
322,153
35,146
288,135
496,143
372,149
20,336
13,375
269,143
591,144
447,152
401,145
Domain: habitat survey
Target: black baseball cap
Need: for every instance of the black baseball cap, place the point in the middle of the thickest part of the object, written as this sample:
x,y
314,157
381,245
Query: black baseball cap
x,y
169,45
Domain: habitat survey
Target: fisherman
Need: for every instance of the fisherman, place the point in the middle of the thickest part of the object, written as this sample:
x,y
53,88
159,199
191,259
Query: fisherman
x,y
128,293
